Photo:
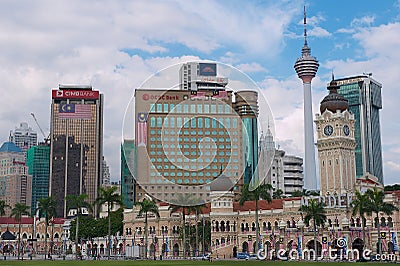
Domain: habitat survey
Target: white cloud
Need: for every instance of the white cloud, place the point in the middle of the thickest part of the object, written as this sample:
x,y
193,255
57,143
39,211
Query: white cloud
x,y
318,32
251,67
363,21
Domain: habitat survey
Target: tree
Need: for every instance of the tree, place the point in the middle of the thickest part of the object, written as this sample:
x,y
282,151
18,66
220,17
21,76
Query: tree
x,y
315,210
278,194
184,202
110,197
361,205
378,205
147,206
78,202
261,192
3,207
47,208
297,193
17,212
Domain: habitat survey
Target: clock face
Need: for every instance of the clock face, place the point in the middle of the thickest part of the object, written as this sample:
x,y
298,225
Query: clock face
x,y
328,130
346,130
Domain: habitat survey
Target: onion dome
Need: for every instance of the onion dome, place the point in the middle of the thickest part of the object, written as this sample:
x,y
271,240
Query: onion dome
x,y
333,101
221,183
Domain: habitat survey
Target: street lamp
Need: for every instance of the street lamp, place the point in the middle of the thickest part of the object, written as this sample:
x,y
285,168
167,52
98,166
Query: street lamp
x,y
300,226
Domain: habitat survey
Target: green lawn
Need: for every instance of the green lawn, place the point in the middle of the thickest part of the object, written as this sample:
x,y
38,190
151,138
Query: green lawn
x,y
178,263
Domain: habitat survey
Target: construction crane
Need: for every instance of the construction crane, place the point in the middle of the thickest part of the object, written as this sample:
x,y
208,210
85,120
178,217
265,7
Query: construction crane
x,y
46,139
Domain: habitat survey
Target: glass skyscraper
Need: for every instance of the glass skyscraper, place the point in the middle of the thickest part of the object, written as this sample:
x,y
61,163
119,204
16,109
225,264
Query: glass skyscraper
x,y
38,162
365,101
128,151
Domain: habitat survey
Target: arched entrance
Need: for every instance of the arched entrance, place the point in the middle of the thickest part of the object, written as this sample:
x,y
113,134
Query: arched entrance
x,y
176,250
152,250
164,249
234,251
317,250
245,247
254,247
390,248
358,244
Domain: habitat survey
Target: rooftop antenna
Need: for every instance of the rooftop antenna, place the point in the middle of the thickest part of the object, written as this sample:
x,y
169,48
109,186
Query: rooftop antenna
x,y
305,27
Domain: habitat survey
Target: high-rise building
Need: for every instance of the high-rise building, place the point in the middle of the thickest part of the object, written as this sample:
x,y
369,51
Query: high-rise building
x,y
365,101
76,132
38,163
306,67
128,151
15,182
105,176
185,138
284,172
23,136
336,144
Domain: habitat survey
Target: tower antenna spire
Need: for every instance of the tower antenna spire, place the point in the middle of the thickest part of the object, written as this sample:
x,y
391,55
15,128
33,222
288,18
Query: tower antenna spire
x,y
305,27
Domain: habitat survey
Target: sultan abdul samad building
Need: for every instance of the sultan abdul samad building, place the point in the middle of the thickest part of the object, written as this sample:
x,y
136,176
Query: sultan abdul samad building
x,y
233,227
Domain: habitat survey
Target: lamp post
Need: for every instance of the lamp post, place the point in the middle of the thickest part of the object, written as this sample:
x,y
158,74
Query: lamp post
x,y
204,237
300,226
282,226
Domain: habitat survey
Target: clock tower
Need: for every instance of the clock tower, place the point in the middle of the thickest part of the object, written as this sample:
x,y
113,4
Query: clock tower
x,y
336,144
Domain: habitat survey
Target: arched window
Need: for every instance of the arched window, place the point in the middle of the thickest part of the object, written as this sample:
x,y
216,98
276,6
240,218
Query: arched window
x,y
264,228
222,226
216,226
242,227
269,226
253,227
228,226
390,222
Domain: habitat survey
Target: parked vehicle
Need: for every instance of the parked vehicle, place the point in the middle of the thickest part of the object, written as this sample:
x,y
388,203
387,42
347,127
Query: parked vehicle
x,y
243,256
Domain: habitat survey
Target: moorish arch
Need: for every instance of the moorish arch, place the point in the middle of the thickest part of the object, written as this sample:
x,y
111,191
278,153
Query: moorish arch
x,y
310,246
358,244
245,247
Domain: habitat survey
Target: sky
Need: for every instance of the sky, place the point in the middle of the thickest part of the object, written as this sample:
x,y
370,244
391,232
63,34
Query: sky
x,y
116,45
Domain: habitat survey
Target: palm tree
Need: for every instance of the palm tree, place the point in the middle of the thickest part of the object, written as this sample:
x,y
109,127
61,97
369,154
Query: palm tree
x,y
147,206
3,206
278,194
78,202
18,211
184,202
261,192
361,205
378,205
47,207
315,210
109,196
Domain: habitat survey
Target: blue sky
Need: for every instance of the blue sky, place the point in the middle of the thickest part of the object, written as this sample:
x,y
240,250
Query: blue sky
x,y
116,45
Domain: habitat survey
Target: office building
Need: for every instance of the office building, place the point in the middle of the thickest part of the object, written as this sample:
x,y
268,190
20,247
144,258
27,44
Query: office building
x,y
365,101
284,172
185,138
38,163
306,67
128,169
24,137
76,131
106,176
15,182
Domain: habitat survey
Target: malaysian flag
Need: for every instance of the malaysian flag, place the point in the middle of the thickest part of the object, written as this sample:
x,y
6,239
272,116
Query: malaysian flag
x,y
220,94
75,111
197,95
141,136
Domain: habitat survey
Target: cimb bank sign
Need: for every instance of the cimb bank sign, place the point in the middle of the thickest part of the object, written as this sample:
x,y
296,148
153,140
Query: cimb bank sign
x,y
332,201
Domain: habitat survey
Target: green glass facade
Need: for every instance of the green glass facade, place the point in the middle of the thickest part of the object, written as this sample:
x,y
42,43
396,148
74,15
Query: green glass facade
x,y
38,163
128,153
365,101
250,148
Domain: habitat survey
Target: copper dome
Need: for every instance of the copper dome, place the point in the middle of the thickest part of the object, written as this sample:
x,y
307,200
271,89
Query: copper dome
x,y
334,101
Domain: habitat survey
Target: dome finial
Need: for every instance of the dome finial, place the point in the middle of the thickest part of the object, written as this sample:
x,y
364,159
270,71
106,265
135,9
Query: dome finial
x,y
333,76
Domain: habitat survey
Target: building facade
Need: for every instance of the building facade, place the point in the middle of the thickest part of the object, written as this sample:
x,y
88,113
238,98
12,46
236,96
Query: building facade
x,y
15,182
284,172
23,136
38,163
76,131
186,137
128,182
365,102
336,144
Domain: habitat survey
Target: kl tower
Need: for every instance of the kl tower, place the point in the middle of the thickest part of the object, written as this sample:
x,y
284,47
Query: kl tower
x,y
306,67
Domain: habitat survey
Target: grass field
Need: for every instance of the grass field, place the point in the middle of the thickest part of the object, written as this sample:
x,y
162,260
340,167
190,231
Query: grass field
x,y
179,263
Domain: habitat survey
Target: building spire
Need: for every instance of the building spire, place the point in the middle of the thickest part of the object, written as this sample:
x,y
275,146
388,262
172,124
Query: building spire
x,y
305,27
